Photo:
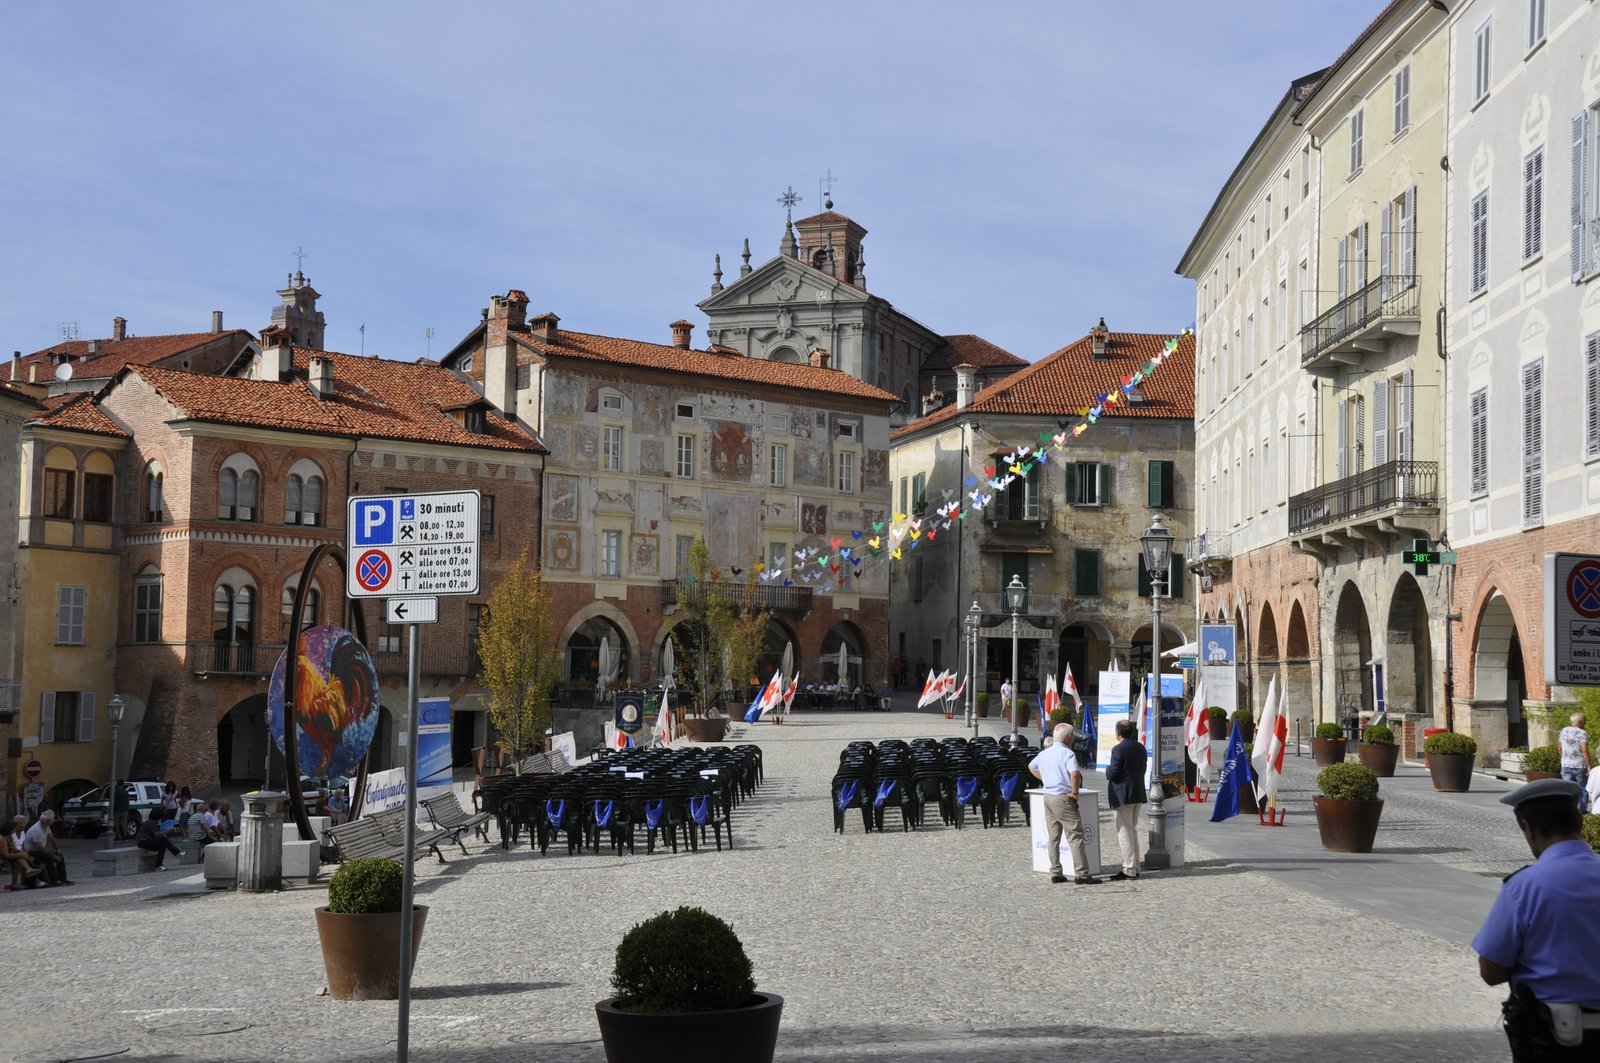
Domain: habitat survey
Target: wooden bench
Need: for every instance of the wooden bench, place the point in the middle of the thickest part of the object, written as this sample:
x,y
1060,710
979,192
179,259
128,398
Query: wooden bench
x,y
363,838
393,825
129,860
447,814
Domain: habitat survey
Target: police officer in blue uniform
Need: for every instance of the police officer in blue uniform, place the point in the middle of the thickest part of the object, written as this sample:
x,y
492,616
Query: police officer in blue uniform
x,y
1542,934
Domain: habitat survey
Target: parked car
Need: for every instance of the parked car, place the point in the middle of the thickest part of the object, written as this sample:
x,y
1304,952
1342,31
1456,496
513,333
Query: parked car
x,y
86,815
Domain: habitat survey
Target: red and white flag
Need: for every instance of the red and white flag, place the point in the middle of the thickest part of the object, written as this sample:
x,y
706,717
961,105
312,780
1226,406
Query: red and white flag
x,y
958,691
789,692
1197,733
664,722
930,690
1069,687
1272,735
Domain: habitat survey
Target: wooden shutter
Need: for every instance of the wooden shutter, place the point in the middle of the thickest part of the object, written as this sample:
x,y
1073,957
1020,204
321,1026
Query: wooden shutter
x,y
86,716
1155,491
1532,204
1408,236
1175,577
1342,274
1341,442
1144,577
1533,442
1480,241
1480,441
1591,394
1380,421
47,716
1407,411
1087,583
1072,483
1361,254
1104,494
1580,193
1385,245
1358,434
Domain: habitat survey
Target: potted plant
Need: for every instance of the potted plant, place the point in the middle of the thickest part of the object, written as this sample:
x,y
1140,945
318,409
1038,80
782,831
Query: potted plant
x,y
685,992
1020,710
1542,762
360,930
1247,723
1328,744
1348,808
1217,723
1591,831
1378,751
983,705
1063,714
1450,759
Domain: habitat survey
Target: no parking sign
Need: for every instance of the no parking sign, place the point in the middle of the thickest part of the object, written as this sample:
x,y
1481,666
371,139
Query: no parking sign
x,y
1572,619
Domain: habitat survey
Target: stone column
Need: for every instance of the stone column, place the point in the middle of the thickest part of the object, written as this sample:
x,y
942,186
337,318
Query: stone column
x,y
261,842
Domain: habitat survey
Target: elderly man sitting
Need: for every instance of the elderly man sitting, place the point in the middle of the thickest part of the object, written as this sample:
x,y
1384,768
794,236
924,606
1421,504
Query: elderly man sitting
x,y
42,847
23,871
203,826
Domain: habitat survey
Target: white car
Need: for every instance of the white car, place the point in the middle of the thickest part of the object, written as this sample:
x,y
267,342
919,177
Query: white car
x,y
86,814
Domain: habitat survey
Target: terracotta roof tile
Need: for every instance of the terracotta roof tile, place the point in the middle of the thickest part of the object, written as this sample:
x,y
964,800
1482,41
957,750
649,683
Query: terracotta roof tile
x,y
115,354
973,350
734,367
371,397
1061,384
77,411
18,392
828,217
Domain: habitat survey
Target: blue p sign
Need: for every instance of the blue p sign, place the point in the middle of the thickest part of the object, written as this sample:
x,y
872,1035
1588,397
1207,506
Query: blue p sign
x,y
374,522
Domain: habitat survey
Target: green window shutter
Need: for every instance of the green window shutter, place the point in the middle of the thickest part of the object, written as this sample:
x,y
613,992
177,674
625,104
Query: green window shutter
x,y
1144,578
1072,483
1156,483
1169,484
1175,581
1105,485
1013,565
1087,583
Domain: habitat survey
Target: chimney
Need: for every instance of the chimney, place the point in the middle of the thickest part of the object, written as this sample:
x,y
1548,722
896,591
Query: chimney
x,y
681,330
932,401
320,376
507,313
119,329
276,359
819,357
94,348
1099,334
544,328
216,321
16,365
966,379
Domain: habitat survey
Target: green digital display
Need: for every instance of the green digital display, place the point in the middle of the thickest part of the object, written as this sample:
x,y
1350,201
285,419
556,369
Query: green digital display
x,y
1422,557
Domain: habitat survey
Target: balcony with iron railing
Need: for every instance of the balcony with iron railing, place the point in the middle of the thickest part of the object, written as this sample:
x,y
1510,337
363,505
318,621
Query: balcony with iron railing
x,y
1367,498
768,596
1362,322
10,696
1211,553
1043,608
1005,510
437,661
248,659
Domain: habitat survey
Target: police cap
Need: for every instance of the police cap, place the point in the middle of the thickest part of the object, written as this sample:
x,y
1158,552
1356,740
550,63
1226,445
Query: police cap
x,y
1540,790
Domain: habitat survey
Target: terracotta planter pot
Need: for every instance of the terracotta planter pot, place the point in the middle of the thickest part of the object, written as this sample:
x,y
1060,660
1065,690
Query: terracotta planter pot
x,y
1380,758
1022,715
738,1035
1535,776
1247,731
1347,826
361,953
1329,751
1452,773
983,709
705,728
1247,800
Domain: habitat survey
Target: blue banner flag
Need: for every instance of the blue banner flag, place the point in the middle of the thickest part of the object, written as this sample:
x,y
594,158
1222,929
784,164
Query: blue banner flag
x,y
1235,774
1091,734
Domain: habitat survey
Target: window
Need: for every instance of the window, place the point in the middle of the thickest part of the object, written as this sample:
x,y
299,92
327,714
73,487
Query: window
x,y
611,554
59,485
1358,123
1305,173
778,466
485,517
233,613
1533,205
66,716
147,607
390,637
1402,99
1482,60
684,544
524,377
1088,483
1397,243
847,430
1479,412
904,487
154,503
1020,500
1585,229
610,402
1013,565
778,556
1533,443
686,457
1266,220
847,472
919,484
1162,486
70,603
1085,573
238,493
778,422
1591,394
1537,12
97,497
685,411
302,499
1173,587
1351,430
1280,316
308,613
611,448
1480,243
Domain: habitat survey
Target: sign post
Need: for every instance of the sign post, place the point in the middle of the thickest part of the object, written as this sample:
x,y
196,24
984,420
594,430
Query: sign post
x,y
1572,619
410,549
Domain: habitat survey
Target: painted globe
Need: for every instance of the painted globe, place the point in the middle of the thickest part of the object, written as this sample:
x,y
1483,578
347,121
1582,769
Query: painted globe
x,y
335,702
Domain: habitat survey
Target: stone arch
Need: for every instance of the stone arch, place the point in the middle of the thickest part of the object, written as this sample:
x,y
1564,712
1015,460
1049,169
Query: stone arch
x,y
1499,671
243,743
618,620
1297,639
785,354
778,635
1086,645
846,632
1352,648
580,651
1407,655
1266,641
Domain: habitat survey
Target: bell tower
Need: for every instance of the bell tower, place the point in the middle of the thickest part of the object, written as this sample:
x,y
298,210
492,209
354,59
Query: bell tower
x,y
831,242
298,312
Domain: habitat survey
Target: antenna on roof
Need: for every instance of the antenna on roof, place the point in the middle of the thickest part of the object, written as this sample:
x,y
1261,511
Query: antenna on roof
x,y
363,331
69,330
427,334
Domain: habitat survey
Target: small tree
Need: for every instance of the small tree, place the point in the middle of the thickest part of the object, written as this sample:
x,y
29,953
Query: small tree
x,y
517,647
703,619
745,631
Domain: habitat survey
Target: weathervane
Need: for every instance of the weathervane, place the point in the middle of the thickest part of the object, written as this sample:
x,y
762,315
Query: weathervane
x,y
825,186
788,200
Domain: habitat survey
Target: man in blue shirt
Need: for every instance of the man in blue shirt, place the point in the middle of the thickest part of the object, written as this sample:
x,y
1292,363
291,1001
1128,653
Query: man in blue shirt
x,y
1541,934
1057,768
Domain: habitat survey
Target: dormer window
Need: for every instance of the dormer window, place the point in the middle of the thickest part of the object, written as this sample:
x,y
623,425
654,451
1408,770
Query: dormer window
x,y
847,430
685,411
611,402
473,420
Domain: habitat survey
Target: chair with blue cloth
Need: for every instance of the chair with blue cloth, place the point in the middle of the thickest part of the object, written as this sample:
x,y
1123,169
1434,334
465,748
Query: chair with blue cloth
x,y
703,814
606,811
852,788
652,809
973,786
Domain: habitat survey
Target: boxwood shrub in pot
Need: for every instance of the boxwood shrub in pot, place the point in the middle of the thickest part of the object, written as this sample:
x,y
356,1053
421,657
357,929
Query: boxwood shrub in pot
x,y
1328,744
360,930
685,991
1217,723
1378,751
1348,808
1542,762
1450,759
1591,831
1246,721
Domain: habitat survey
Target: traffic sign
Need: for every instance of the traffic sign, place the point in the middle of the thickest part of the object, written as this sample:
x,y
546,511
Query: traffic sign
x,y
1572,619
412,610
33,769
410,546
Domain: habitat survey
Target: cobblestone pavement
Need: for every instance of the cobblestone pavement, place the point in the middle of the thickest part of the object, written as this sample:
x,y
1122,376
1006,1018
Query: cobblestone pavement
x,y
936,945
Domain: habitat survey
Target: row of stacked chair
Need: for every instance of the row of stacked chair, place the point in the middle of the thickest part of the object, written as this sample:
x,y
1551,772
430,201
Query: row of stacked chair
x,y
663,792
955,775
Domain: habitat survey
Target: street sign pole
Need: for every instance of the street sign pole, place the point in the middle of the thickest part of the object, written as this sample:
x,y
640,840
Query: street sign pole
x,y
409,879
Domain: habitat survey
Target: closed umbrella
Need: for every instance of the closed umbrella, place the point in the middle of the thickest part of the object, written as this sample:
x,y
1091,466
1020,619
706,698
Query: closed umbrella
x,y
788,659
605,666
669,666
844,663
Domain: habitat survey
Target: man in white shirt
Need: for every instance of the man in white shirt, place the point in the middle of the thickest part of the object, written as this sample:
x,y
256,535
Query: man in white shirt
x,y
1576,759
1006,691
1057,768
41,845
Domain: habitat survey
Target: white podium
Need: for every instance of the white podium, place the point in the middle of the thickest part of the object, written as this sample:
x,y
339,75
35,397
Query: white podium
x,y
1088,811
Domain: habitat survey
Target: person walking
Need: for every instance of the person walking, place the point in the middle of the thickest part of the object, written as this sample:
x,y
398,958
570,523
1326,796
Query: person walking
x,y
1006,693
1538,936
1057,768
1576,758
1126,792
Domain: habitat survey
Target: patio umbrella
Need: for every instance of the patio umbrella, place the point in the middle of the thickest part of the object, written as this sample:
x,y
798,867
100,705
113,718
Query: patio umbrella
x,y
844,661
788,659
604,676
669,666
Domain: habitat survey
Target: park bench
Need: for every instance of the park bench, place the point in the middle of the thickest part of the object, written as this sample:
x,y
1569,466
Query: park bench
x,y
362,838
447,814
393,825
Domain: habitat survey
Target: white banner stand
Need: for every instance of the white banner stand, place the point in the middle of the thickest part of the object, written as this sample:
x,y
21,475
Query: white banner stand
x,y
1089,812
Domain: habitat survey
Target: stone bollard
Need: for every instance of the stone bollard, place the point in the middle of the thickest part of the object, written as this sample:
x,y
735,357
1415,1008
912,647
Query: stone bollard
x,y
261,842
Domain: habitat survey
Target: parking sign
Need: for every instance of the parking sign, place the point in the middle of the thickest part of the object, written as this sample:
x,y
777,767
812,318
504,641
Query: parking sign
x,y
412,545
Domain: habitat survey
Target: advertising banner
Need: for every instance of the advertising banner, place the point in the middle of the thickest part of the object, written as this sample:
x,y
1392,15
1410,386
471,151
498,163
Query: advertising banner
x,y
433,747
1113,706
385,790
1219,666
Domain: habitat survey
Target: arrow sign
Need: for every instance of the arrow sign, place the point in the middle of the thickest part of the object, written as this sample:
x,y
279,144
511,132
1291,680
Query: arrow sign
x,y
412,610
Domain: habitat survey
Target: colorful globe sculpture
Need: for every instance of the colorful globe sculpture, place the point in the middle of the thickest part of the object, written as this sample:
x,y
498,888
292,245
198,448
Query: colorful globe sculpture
x,y
335,702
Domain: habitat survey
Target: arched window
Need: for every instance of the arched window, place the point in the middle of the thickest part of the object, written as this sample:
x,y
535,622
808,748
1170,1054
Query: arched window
x,y
302,496
147,605
239,489
154,503
309,615
233,619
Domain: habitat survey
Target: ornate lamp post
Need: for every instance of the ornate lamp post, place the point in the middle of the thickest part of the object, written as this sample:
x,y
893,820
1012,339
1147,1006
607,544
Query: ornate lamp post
x,y
114,710
1017,602
1157,544
971,621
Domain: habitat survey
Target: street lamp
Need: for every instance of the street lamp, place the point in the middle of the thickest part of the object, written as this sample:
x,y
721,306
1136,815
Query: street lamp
x,y
971,621
1157,544
114,711
1017,602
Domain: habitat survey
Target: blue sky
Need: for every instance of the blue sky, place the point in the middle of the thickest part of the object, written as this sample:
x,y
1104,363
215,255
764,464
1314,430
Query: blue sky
x,y
1020,173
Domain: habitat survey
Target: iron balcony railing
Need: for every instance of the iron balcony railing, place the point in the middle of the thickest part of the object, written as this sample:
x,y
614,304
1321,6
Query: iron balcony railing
x,y
1212,546
768,596
1006,510
1393,296
1392,485
436,661
10,696
233,658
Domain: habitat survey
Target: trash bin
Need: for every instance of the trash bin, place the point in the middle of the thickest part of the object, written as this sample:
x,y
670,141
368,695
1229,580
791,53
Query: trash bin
x,y
1426,731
